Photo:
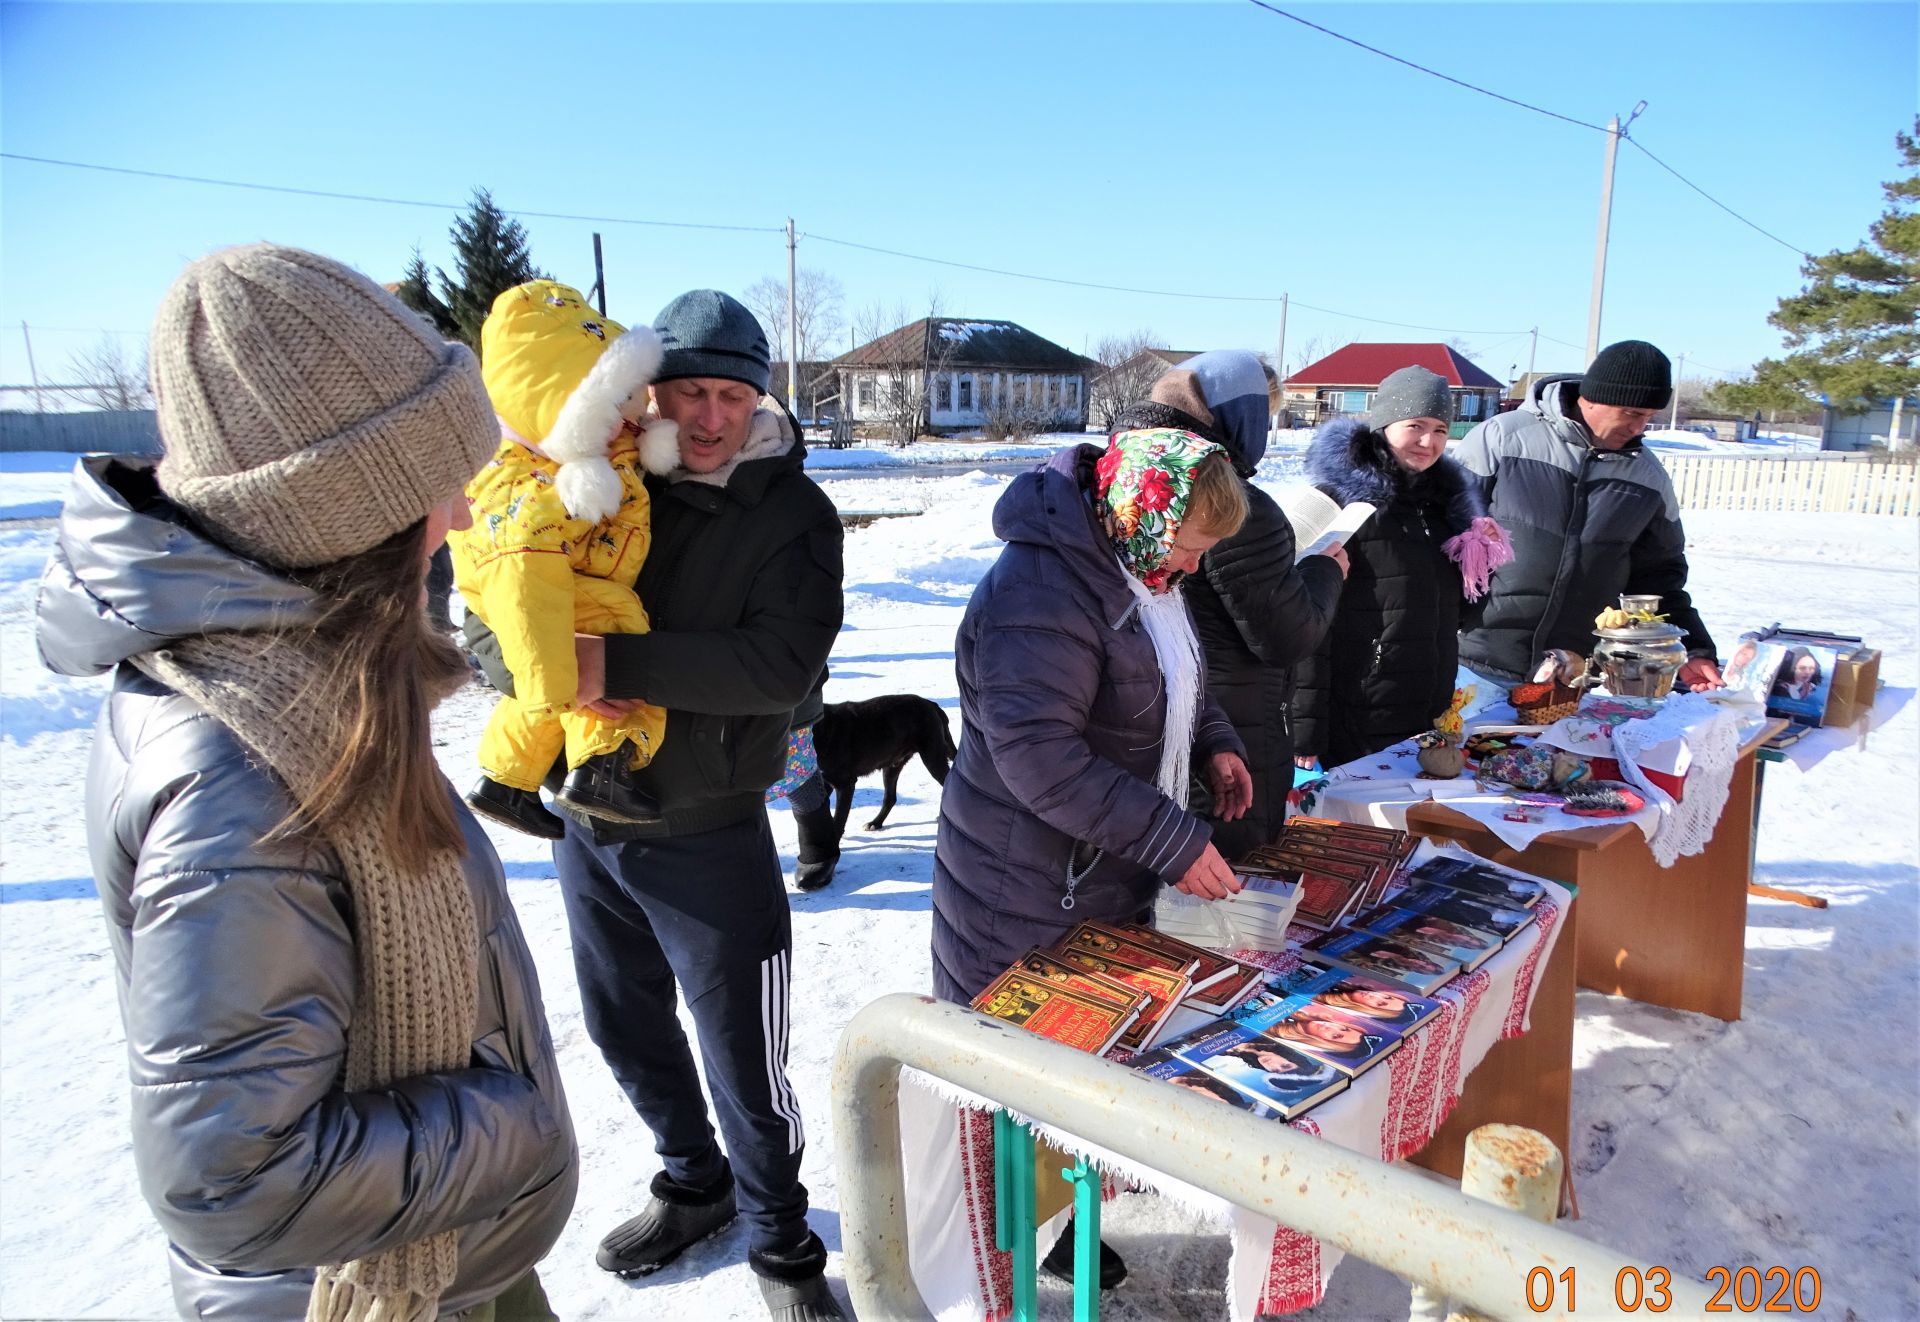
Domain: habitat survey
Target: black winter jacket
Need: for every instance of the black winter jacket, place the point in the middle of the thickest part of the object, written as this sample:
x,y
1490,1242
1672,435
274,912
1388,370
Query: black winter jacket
x,y
742,585
1386,668
1587,525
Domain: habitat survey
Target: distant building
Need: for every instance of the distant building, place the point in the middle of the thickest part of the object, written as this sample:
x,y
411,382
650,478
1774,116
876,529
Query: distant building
x,y
1345,380
960,371
1874,428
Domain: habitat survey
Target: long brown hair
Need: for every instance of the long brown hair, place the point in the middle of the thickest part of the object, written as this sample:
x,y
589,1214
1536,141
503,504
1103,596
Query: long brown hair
x,y
393,668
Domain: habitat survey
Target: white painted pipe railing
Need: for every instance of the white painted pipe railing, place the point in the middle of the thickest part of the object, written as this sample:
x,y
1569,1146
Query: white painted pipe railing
x,y
1482,1257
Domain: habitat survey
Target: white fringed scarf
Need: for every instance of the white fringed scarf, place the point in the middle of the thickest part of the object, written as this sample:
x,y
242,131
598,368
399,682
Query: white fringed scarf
x,y
1177,648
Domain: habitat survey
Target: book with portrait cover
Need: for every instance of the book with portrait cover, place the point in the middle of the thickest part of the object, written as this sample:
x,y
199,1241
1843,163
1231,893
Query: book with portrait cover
x,y
1053,1010
1161,1063
1470,947
1504,920
1270,1072
1424,971
1357,996
1478,881
1297,1019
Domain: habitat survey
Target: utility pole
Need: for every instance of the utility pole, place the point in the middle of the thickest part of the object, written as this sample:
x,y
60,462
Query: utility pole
x,y
1280,363
793,325
39,400
1673,419
599,278
1533,350
1615,131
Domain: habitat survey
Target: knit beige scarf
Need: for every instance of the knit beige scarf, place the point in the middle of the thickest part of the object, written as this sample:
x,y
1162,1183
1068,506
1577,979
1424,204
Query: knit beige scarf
x,y
414,935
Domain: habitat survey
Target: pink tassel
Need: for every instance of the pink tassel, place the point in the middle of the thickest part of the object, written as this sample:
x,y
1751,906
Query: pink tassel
x,y
1480,550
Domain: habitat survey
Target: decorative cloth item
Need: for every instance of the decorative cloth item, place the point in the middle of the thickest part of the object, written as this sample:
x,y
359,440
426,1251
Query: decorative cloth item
x,y
1411,392
1169,625
307,416
1535,767
802,765
305,413
1630,375
708,333
1603,798
1711,735
1478,551
1141,488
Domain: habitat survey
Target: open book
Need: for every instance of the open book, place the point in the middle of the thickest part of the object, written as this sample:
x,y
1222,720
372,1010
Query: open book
x,y
1318,520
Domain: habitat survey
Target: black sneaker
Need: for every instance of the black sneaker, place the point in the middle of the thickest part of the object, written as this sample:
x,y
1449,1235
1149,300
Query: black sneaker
x,y
800,1301
1059,1261
519,809
603,787
675,1218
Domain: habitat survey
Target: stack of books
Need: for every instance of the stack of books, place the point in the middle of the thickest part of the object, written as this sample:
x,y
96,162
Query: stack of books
x,y
1338,866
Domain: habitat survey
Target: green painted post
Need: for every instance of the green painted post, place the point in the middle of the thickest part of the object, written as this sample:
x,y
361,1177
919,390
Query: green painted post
x,y
1026,1264
1002,1181
1086,1240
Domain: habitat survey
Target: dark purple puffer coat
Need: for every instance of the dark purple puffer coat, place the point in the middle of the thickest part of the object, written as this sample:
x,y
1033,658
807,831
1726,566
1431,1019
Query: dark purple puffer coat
x,y
1063,707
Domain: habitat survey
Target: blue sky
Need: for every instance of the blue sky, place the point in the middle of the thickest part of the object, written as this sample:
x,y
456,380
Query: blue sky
x,y
1206,148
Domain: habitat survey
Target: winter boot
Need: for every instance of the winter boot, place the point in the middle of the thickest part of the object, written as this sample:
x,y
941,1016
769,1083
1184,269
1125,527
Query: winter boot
x,y
519,809
603,787
819,847
794,1285
676,1217
1059,1261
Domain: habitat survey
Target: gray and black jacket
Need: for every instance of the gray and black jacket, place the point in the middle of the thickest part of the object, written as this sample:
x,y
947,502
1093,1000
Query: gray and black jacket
x,y
1587,525
237,972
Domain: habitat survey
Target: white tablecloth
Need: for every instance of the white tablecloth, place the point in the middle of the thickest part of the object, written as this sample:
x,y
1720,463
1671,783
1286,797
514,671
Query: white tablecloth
x,y
1390,1112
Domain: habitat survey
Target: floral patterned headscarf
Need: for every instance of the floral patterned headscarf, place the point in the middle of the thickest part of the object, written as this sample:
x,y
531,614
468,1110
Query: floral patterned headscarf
x,y
1141,487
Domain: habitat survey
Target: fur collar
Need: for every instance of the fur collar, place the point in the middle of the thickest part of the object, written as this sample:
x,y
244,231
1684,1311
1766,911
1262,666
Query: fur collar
x,y
768,437
1350,462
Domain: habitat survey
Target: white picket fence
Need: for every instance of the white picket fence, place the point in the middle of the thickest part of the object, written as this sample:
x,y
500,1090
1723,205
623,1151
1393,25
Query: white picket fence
x,y
1800,484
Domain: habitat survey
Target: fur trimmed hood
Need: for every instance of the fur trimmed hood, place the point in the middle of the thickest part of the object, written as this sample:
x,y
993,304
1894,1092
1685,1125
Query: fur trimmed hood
x,y
1350,462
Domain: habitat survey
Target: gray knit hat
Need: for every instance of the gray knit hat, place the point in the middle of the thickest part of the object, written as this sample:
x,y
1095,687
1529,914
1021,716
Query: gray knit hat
x,y
1411,392
305,414
1630,375
708,333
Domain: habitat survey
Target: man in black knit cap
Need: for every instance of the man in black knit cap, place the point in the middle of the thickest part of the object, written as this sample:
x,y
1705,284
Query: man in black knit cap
x,y
1591,512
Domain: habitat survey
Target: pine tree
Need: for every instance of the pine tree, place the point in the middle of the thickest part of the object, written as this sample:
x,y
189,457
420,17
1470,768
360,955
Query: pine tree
x,y
416,293
490,255
1856,326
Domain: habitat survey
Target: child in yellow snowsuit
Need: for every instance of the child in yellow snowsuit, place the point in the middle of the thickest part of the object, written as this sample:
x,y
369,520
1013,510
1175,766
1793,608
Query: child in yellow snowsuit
x,y
560,529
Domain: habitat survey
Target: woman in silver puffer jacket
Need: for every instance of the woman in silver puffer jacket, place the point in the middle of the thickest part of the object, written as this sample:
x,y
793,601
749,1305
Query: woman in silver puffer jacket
x,y
345,1099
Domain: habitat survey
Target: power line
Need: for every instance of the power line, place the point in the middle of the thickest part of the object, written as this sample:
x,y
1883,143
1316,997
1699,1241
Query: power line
x,y
1432,73
1800,252
385,201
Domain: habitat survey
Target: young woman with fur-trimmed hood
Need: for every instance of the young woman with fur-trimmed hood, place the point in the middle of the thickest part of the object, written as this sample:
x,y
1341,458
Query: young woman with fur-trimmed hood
x,y
1386,668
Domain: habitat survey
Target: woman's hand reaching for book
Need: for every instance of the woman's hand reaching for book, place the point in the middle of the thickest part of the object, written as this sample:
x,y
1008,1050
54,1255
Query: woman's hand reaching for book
x,y
1209,878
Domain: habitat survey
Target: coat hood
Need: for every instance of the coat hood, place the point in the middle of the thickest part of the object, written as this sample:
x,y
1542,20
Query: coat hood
x,y
1233,385
1350,462
1052,507
131,572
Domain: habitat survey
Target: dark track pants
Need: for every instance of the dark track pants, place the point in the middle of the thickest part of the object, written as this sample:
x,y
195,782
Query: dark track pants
x,y
710,912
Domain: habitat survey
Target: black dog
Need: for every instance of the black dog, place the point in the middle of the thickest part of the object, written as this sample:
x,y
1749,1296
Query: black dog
x,y
855,739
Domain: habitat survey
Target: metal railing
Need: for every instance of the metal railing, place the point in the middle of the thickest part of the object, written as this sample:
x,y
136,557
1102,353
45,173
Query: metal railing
x,y
1482,1257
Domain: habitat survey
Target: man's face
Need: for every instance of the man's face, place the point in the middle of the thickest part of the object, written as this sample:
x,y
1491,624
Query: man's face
x,y
713,414
1613,426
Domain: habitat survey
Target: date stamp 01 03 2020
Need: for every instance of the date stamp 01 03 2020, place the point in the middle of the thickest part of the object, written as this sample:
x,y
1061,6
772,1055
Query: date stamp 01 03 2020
x,y
1735,1290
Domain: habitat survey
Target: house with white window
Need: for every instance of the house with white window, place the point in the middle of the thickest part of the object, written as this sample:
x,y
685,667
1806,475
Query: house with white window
x,y
1346,379
950,374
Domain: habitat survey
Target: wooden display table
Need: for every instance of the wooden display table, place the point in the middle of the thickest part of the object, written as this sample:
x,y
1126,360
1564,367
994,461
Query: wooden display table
x,y
1673,936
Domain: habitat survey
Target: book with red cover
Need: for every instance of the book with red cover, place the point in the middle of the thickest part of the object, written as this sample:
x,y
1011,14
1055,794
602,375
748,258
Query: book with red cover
x,y
1218,981
1055,969
1102,939
1163,988
1055,1011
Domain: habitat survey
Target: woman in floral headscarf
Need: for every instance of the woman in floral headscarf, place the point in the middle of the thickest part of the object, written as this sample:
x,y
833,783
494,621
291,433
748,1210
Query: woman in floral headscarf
x,y
1085,712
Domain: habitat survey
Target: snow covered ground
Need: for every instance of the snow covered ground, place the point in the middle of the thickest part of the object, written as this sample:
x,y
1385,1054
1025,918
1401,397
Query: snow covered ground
x,y
1787,1138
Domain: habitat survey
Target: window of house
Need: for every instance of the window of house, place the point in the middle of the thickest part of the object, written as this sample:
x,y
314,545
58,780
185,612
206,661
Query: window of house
x,y
1053,393
943,392
1466,408
966,394
1070,393
866,392
1355,401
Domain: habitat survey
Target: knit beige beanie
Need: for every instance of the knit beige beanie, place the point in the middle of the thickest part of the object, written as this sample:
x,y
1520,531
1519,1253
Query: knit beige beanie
x,y
306,414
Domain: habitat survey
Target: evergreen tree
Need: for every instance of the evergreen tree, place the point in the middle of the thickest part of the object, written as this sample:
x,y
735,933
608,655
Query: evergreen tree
x,y
1855,328
416,293
490,255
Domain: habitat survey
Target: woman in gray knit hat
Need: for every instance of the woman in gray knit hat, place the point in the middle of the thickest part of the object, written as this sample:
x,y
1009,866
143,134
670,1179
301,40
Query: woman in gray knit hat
x,y
345,1101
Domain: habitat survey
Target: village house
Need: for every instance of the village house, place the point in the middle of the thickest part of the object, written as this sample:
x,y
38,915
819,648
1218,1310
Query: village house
x,y
1345,380
959,373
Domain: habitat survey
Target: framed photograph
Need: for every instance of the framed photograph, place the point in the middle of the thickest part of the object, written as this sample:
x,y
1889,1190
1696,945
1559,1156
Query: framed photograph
x,y
1754,666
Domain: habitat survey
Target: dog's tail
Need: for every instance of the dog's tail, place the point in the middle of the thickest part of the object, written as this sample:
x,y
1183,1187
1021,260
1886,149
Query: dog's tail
x,y
937,754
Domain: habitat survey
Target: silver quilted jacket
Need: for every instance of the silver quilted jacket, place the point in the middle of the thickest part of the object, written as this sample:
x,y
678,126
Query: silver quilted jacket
x,y
236,967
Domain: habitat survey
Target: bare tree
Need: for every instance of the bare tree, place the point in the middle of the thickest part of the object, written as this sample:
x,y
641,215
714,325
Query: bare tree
x,y
901,365
110,377
816,311
1126,374
1310,350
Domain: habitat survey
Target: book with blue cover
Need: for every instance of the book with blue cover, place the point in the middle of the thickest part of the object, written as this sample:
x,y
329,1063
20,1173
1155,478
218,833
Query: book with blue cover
x,y
1270,1072
1470,947
1299,1020
1424,971
1357,996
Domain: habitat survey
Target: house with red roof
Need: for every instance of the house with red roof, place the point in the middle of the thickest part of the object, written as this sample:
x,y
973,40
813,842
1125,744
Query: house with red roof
x,y
1345,380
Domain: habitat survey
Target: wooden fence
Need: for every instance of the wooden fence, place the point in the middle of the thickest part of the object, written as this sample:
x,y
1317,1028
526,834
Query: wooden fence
x,y
1788,485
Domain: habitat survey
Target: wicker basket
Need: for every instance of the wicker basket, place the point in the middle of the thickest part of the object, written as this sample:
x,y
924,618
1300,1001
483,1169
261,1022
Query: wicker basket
x,y
1544,703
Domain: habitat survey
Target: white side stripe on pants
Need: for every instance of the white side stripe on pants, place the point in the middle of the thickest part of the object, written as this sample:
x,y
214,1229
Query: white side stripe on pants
x,y
774,979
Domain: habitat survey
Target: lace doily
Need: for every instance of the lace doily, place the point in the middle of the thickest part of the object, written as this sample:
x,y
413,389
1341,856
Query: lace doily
x,y
1712,746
